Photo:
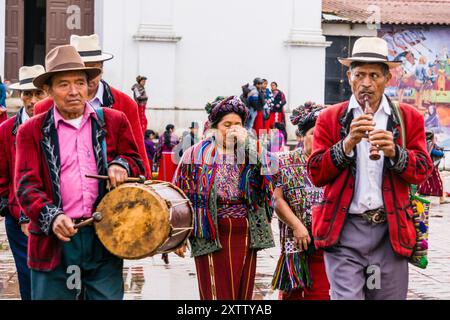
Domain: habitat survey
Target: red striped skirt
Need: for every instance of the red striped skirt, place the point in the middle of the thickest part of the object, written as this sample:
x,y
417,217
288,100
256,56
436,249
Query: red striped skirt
x,y
433,186
258,126
228,274
274,118
167,167
142,117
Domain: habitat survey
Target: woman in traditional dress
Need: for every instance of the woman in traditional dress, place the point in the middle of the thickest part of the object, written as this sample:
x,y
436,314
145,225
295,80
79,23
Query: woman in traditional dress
x,y
276,103
300,273
434,186
141,98
165,155
231,201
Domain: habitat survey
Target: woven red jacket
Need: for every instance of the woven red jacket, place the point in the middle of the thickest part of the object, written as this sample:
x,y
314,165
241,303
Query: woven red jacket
x,y
8,133
37,175
329,167
116,100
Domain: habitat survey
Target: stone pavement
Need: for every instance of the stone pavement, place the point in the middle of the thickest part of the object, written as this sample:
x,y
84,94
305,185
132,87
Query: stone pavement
x,y
151,279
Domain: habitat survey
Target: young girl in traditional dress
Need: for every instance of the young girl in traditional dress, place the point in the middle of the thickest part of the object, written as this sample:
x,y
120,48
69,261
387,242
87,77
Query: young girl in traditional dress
x,y
300,273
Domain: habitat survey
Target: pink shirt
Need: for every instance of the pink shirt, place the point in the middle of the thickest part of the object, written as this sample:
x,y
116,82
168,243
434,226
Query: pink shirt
x,y
78,193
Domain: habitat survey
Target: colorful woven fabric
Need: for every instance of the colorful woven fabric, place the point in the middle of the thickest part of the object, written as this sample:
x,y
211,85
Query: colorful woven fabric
x,y
230,200
292,271
305,116
196,175
421,209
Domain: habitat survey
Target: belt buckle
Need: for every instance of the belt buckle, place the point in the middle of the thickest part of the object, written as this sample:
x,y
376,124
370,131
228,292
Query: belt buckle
x,y
378,217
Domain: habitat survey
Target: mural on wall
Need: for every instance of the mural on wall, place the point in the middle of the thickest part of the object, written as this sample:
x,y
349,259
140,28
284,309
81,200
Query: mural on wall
x,y
423,80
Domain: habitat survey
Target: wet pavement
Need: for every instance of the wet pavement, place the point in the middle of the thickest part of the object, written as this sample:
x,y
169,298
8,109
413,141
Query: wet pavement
x,y
152,279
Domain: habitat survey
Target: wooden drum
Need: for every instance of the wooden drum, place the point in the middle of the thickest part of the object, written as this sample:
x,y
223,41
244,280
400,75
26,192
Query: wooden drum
x,y
141,220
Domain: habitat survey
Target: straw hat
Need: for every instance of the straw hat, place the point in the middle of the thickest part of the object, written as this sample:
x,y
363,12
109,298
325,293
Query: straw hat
x,y
89,48
63,59
26,77
370,49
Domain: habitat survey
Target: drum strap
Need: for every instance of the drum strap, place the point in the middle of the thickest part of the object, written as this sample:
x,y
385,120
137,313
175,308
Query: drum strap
x,y
101,117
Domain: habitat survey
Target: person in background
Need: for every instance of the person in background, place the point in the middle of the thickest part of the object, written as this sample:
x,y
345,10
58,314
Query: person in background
x,y
150,146
164,155
7,83
278,138
278,101
434,186
256,101
3,110
268,98
267,91
16,223
141,98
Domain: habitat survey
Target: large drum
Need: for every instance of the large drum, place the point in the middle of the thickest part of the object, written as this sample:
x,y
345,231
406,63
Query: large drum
x,y
141,220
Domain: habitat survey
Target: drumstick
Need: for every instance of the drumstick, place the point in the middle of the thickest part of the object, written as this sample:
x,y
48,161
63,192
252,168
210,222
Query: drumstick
x,y
141,179
96,217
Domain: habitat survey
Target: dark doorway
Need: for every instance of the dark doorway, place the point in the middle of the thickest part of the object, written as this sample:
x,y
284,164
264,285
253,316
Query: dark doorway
x,y
337,88
34,45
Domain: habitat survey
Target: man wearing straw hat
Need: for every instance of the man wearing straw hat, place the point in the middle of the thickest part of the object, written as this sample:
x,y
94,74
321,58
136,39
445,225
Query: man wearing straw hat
x,y
55,152
365,221
100,93
16,223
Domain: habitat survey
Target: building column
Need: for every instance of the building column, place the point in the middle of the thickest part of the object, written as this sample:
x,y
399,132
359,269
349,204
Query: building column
x,y
157,44
306,50
306,45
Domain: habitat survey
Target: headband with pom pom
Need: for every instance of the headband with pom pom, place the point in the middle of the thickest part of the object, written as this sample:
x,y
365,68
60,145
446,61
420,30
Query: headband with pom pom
x,y
222,106
305,116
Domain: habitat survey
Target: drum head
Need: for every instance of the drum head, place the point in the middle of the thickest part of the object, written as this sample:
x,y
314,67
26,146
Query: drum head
x,y
135,221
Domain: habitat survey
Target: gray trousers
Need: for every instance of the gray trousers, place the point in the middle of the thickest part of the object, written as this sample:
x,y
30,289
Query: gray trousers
x,y
363,266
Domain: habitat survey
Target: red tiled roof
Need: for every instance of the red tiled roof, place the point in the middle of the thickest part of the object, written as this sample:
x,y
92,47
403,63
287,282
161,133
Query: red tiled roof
x,y
418,12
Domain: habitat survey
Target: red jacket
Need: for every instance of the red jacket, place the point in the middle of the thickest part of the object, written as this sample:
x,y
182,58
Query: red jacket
x,y
329,167
8,133
116,100
37,175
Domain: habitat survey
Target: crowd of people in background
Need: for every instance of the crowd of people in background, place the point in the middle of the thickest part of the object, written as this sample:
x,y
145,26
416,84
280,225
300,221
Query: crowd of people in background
x,y
266,119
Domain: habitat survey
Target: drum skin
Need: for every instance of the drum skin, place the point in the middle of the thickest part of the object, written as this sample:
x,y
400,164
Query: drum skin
x,y
141,220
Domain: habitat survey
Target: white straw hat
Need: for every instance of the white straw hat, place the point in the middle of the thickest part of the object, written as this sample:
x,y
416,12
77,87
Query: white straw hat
x,y
26,77
370,49
89,48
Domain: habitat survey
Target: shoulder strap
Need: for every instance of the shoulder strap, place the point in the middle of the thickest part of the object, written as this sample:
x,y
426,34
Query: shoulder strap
x,y
101,117
398,112
399,115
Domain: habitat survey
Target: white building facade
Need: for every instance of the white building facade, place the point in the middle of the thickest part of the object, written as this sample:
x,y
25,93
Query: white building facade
x,y
194,50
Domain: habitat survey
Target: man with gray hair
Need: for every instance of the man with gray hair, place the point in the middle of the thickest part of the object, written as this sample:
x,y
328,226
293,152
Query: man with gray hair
x,y
56,151
365,222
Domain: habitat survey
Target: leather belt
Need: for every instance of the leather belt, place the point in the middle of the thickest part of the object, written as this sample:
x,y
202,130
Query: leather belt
x,y
376,216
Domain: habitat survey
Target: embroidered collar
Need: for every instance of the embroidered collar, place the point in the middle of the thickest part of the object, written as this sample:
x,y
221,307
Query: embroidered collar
x,y
18,121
